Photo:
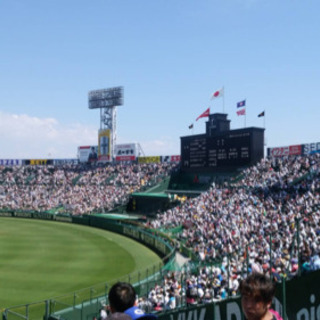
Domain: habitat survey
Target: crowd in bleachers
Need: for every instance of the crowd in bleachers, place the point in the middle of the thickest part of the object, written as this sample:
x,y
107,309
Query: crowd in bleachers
x,y
251,223
182,288
75,189
248,223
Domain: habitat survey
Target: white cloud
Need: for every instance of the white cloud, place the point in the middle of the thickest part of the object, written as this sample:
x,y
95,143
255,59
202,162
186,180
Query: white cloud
x,y
25,137
163,146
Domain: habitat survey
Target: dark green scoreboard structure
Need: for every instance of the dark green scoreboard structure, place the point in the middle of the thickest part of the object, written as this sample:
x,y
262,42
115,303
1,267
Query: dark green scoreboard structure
x,y
148,203
222,149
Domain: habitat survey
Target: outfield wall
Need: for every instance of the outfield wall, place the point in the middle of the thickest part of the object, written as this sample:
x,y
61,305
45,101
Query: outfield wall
x,y
161,246
157,244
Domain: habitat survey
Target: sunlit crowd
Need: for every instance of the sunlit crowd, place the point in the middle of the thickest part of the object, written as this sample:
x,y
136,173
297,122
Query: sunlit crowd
x,y
265,220
75,189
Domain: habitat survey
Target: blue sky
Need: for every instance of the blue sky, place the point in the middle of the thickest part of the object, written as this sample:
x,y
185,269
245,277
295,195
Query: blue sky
x,y
169,56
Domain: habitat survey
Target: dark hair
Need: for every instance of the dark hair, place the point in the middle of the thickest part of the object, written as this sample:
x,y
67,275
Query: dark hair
x,y
122,296
258,286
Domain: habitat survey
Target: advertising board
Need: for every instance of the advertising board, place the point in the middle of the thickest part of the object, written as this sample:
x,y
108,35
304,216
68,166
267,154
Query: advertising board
x,y
87,153
311,147
170,158
175,158
293,150
38,162
10,162
156,159
104,145
61,162
126,152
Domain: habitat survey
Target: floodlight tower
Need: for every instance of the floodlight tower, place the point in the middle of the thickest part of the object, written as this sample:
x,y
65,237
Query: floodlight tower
x,y
107,101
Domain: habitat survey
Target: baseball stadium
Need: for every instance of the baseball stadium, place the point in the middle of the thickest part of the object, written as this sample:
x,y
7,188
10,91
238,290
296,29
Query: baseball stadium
x,y
184,230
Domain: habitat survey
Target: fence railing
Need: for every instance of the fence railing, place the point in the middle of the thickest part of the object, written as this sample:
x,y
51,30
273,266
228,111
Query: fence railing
x,y
83,303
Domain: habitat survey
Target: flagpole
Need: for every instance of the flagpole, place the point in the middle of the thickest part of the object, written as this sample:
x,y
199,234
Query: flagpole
x,y
223,99
245,113
264,126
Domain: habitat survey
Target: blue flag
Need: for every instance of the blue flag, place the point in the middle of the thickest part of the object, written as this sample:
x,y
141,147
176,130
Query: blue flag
x,y
241,104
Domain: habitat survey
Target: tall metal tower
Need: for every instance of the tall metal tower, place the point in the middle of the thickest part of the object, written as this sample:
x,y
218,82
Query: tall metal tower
x,y
107,101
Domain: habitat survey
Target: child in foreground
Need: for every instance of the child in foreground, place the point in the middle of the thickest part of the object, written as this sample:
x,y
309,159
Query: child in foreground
x,y
257,292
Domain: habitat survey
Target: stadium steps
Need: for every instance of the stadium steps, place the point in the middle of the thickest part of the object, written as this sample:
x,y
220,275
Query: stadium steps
x,y
112,177
160,187
305,176
30,178
76,179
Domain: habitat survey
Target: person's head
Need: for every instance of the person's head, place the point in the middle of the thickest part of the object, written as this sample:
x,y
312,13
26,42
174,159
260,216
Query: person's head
x,y
122,296
257,292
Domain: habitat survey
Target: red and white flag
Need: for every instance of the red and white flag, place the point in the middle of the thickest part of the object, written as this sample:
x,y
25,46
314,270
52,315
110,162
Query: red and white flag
x,y
204,114
217,94
241,112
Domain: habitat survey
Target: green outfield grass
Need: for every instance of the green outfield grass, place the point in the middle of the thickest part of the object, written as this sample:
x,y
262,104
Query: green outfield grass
x,y
42,259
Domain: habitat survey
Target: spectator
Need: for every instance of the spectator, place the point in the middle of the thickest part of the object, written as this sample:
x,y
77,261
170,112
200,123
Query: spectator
x,y
122,298
257,292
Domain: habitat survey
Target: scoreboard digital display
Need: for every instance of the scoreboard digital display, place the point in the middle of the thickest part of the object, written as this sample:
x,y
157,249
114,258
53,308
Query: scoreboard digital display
x,y
198,153
233,149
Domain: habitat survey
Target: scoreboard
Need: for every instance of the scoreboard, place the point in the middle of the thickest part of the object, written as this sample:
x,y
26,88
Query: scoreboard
x,y
234,148
229,151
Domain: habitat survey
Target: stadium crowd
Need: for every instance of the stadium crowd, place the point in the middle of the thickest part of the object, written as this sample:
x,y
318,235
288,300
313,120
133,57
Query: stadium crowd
x,y
75,189
267,220
271,213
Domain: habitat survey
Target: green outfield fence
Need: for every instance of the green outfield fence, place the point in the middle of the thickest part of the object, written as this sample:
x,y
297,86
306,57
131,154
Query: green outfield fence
x,y
297,299
82,303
